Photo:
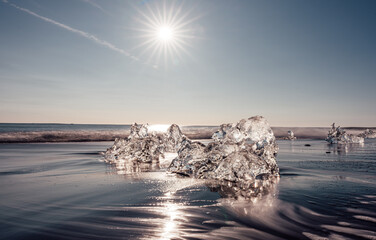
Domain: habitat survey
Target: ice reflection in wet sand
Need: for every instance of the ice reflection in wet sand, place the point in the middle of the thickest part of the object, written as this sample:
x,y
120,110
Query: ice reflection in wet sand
x,y
124,166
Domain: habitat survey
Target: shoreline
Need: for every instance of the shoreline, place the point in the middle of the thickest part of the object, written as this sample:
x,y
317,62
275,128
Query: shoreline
x,y
194,133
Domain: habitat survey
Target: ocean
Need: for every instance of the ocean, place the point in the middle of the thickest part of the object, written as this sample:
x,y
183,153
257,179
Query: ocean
x,y
66,191
45,132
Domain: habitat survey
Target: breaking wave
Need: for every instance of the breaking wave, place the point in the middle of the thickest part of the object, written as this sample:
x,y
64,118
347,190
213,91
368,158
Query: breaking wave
x,y
33,133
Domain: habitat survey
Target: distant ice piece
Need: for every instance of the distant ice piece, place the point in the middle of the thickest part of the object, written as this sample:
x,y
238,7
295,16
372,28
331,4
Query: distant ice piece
x,y
338,135
244,151
290,135
368,134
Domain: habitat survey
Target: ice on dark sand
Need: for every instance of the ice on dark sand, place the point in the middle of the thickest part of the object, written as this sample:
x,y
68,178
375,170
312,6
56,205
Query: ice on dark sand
x,y
242,153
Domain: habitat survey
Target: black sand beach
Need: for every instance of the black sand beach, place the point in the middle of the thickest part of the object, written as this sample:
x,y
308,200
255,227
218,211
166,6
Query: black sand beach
x,y
66,191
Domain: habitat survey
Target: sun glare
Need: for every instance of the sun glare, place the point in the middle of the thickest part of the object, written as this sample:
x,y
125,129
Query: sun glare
x,y
166,32
158,128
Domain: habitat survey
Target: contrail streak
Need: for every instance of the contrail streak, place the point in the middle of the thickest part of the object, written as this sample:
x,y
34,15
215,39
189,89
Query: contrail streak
x,y
74,30
95,5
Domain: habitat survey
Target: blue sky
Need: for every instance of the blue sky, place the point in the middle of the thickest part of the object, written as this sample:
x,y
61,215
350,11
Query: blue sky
x,y
298,63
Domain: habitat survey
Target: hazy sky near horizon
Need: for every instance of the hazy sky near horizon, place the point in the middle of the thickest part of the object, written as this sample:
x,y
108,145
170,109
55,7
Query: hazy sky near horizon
x,y
298,63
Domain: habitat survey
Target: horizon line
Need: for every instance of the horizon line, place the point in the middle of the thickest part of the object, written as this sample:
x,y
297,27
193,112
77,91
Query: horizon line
x,y
187,125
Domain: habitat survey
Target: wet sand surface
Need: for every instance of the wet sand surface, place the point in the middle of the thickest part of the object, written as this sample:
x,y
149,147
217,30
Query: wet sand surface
x,y
66,191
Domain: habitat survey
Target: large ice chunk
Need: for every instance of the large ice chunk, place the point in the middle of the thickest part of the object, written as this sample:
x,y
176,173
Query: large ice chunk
x,y
254,130
142,148
338,135
240,152
139,147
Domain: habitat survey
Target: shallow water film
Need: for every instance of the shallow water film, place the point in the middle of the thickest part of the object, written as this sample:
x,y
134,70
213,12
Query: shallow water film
x,y
66,191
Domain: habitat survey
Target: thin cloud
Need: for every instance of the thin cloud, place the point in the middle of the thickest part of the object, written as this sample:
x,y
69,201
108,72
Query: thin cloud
x,y
79,32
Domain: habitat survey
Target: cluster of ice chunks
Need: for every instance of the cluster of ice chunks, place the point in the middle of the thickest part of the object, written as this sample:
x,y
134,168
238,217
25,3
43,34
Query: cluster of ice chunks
x,y
244,151
338,135
369,133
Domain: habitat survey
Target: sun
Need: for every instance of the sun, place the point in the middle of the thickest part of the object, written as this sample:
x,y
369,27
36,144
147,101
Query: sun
x,y
166,32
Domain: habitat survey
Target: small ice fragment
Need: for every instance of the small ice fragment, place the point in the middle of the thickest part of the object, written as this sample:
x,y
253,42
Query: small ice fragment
x,y
290,135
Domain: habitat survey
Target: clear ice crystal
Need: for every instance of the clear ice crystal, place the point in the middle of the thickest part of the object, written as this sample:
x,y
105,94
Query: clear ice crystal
x,y
138,131
338,135
239,152
173,138
139,147
254,130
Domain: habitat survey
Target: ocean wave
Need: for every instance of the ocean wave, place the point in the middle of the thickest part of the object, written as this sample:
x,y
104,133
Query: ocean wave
x,y
89,135
192,132
61,136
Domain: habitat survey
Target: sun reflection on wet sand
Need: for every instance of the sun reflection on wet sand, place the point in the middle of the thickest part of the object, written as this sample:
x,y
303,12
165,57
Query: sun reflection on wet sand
x,y
171,210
